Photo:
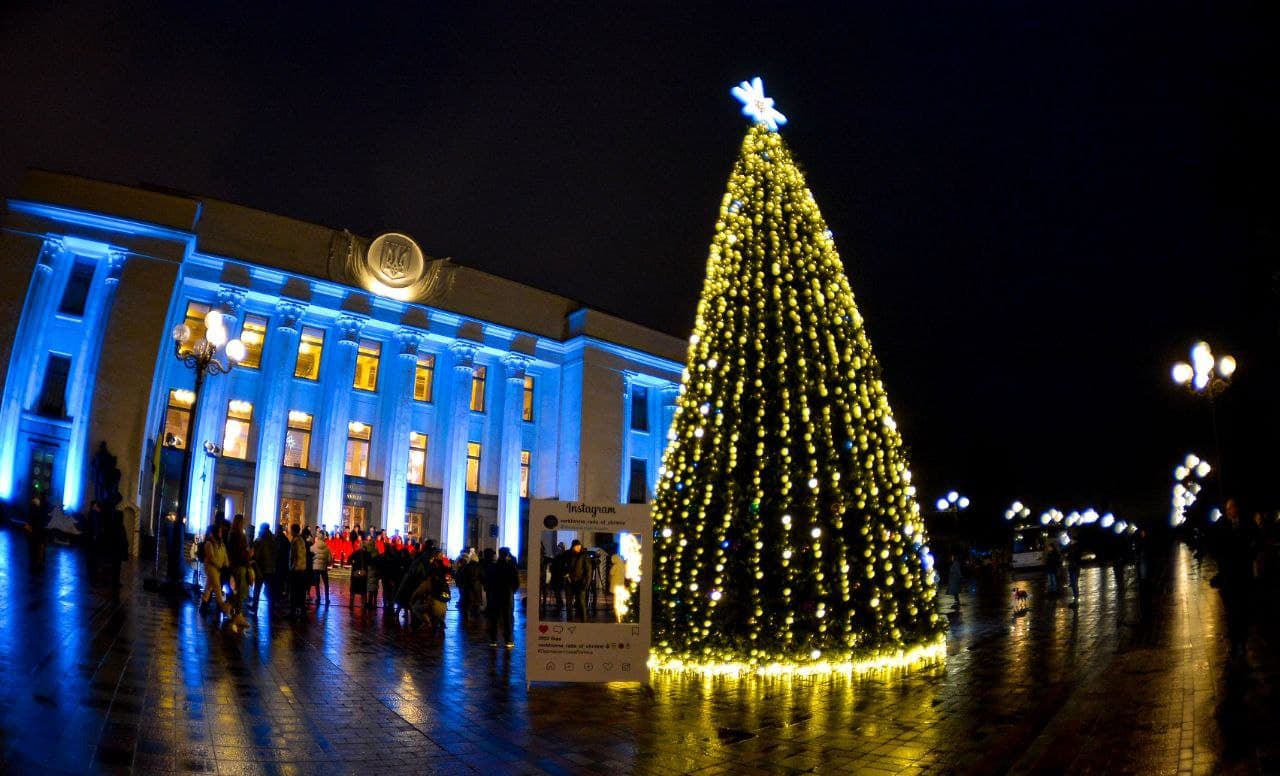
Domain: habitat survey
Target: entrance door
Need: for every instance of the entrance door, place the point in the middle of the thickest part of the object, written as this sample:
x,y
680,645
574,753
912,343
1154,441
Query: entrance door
x,y
356,516
41,474
292,510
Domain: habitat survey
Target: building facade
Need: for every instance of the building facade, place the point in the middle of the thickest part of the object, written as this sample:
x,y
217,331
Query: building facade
x,y
378,388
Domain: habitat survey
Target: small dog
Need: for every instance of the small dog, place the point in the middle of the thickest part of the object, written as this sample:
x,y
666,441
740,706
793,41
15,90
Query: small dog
x,y
1020,598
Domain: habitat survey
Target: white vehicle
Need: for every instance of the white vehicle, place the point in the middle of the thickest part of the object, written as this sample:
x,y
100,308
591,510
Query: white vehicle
x,y
1026,550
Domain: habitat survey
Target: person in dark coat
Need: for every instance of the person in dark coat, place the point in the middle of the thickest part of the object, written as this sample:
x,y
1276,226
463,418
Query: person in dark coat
x,y
501,581
577,579
282,565
264,562
1235,575
115,545
37,520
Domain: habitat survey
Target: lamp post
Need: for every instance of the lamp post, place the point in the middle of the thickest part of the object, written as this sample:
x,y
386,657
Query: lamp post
x,y
1208,376
201,355
953,502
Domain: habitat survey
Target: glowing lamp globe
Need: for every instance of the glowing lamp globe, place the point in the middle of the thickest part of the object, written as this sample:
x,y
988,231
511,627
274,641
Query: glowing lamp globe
x,y
181,333
1226,366
235,351
942,505
1182,373
217,335
963,503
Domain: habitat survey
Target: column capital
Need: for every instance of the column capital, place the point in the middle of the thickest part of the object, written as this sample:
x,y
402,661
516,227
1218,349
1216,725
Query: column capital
x,y
410,340
517,366
231,298
289,314
53,245
349,327
116,259
464,355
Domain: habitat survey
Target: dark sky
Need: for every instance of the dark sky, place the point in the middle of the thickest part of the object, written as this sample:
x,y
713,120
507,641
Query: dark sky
x,y
1040,206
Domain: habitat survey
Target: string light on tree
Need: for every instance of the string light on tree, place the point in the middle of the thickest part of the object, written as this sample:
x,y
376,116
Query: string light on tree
x,y
788,536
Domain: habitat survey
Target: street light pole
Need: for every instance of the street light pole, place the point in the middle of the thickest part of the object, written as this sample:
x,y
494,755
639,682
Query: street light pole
x,y
1210,377
202,357
953,502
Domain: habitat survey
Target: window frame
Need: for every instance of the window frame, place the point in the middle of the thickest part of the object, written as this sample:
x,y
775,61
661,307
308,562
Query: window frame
x,y
526,472
243,418
426,364
177,405
193,319
317,334
422,480
527,397
293,423
366,350
253,357
473,473
479,384
353,437
639,395
79,267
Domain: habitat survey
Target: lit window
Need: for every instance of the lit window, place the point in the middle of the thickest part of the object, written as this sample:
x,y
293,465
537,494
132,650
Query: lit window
x,y
76,293
473,467
195,324
367,366
235,440
477,389
297,440
425,377
525,459
253,334
417,458
526,411
177,418
413,524
358,435
639,408
310,346
638,488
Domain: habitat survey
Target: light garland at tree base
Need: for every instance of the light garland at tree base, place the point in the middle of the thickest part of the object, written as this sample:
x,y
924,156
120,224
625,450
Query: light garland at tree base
x,y
849,664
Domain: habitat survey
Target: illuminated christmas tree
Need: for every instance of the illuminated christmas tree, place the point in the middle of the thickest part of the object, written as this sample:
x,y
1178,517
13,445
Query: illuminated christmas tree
x,y
788,535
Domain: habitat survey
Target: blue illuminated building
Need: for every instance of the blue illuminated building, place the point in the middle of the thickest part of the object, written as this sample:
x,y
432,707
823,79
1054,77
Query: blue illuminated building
x,y
381,388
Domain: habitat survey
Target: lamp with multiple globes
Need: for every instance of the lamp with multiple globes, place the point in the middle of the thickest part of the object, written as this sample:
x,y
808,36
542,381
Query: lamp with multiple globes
x,y
954,503
213,354
1208,375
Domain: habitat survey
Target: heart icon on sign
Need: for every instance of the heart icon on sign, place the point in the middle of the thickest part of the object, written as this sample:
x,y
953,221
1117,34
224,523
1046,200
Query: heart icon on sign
x,y
542,629
572,628
558,629
608,666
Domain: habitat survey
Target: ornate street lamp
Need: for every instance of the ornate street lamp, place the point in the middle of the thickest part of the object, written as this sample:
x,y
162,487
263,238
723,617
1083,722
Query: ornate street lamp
x,y
203,356
953,502
1209,376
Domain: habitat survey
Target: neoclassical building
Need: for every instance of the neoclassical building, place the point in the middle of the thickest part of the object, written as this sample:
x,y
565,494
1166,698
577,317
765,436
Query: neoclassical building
x,y
377,387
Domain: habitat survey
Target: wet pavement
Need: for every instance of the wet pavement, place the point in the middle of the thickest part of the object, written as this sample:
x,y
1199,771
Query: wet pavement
x,y
92,681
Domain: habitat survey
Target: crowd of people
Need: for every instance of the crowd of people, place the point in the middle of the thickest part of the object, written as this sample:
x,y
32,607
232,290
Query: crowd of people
x,y
415,579
1247,552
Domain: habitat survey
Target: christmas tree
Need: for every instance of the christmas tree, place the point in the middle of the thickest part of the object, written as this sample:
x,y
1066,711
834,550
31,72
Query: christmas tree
x,y
787,533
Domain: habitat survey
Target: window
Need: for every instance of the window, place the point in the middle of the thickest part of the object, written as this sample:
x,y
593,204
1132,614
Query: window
x,y
195,324
253,334
76,293
358,448
53,391
526,410
367,366
473,467
424,378
177,418
235,440
310,346
639,408
42,470
477,390
297,440
417,458
293,511
413,524
638,487
525,458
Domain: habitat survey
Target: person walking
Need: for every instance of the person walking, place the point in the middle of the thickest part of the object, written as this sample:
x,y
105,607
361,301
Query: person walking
x,y
501,581
1234,579
298,573
1073,568
373,567
321,560
955,577
1053,567
284,546
215,558
578,574
264,561
37,521
240,555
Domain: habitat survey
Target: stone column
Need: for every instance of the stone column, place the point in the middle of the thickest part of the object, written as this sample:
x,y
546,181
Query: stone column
x,y
84,370
509,463
340,373
454,505
210,419
34,315
670,395
397,414
279,359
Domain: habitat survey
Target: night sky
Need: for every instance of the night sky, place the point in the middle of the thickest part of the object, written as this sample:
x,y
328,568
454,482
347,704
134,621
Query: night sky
x,y
1040,207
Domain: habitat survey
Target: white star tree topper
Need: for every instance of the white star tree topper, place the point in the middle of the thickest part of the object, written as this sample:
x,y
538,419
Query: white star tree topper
x,y
756,106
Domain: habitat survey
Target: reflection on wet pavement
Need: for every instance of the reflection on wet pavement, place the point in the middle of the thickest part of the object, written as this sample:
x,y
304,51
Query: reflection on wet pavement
x,y
93,681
